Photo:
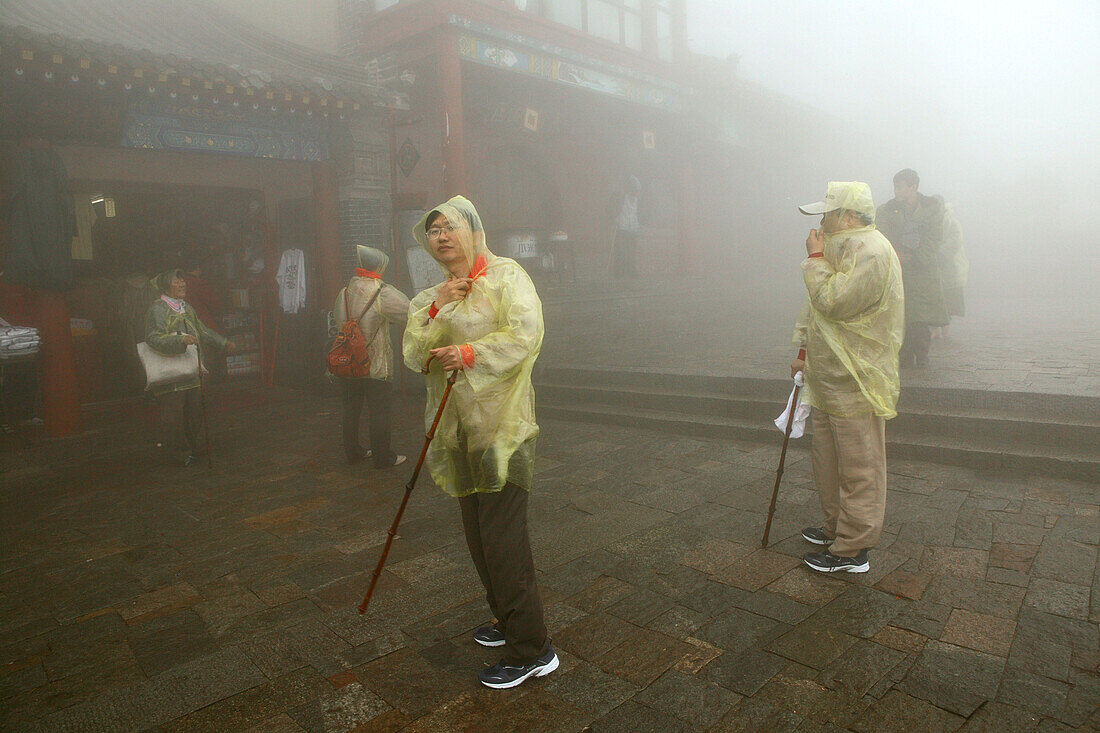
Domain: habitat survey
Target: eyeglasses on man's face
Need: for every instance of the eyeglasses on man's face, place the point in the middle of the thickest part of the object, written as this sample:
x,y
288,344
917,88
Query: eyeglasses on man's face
x,y
435,232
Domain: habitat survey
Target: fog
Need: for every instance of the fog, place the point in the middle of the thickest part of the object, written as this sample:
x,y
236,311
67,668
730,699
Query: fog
x,y
995,109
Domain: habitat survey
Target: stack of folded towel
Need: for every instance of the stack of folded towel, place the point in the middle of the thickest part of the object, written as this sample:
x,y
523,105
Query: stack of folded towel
x,y
18,341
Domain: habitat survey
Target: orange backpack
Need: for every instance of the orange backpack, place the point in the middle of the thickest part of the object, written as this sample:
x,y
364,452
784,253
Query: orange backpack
x,y
349,357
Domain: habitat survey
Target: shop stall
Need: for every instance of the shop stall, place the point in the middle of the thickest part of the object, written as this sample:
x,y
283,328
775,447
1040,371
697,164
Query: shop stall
x,y
158,154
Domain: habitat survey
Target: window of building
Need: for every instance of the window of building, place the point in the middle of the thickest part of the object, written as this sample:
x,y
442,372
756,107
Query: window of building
x,y
632,31
604,21
566,12
664,33
618,21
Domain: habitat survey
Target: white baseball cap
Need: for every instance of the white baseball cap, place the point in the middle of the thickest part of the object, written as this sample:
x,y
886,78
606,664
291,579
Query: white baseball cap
x,y
850,195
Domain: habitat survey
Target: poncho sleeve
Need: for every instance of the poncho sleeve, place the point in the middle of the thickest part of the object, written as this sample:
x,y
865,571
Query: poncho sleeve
x,y
798,338
519,333
932,234
422,334
845,288
393,304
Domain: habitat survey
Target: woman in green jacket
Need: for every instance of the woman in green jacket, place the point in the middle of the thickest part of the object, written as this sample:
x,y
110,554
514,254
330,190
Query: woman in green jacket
x,y
171,325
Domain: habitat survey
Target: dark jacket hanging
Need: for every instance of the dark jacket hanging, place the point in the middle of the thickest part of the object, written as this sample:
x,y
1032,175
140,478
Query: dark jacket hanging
x,y
41,219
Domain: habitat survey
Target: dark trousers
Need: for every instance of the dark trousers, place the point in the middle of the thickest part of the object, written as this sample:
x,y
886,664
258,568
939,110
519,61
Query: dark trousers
x,y
376,393
179,422
626,254
914,349
496,533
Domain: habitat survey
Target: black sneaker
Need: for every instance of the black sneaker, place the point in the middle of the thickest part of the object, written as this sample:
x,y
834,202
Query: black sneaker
x,y
817,536
501,676
489,636
827,562
357,456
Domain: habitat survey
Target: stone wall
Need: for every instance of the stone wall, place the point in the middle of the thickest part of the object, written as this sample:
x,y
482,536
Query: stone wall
x,y
364,209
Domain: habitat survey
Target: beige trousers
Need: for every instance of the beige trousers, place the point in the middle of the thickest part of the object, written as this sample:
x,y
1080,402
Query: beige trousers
x,y
849,461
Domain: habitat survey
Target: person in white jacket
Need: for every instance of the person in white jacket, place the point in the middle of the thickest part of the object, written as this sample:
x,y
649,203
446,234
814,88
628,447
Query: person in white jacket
x,y
391,306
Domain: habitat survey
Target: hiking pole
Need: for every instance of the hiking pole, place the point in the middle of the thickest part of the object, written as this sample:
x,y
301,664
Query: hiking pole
x,y
202,406
409,486
782,459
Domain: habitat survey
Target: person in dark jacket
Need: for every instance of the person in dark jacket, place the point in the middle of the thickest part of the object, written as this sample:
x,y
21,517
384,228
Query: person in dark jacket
x,y
913,223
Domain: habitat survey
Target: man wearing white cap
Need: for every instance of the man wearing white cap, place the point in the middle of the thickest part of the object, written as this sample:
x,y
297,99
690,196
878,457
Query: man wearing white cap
x,y
848,335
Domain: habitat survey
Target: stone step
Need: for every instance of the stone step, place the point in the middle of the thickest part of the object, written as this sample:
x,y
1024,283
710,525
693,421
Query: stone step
x,y
1062,464
980,429
1036,406
969,431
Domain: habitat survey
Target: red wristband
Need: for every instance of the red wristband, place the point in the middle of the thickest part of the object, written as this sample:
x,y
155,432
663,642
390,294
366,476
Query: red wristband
x,y
818,254
467,355
432,311
801,355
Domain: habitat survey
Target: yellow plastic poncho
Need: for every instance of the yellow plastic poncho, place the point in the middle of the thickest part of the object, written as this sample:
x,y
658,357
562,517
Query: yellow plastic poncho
x,y
954,264
487,433
852,325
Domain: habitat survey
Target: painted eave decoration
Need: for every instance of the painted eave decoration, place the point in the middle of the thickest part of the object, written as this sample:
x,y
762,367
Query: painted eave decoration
x,y
179,52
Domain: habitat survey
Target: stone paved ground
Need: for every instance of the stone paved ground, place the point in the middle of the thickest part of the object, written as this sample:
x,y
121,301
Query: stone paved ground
x,y
740,325
135,597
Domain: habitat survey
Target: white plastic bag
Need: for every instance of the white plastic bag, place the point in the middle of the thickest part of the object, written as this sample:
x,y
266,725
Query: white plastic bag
x,y
801,412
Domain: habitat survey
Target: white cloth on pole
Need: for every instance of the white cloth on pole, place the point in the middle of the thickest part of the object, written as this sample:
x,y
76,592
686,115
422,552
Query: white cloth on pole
x,y
801,412
291,277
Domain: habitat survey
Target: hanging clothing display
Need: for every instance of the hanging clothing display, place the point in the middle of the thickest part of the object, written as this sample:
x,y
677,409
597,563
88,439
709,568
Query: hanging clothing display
x,y
41,218
291,278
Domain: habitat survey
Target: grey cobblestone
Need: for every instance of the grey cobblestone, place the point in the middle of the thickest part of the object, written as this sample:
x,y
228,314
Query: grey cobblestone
x,y
225,599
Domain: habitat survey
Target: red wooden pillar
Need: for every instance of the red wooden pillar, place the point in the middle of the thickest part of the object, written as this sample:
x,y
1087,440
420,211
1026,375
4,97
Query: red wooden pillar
x,y
61,398
328,230
450,87
49,313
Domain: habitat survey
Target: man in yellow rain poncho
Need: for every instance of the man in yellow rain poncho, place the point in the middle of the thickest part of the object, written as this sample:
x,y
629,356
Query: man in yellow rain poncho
x,y
485,320
848,335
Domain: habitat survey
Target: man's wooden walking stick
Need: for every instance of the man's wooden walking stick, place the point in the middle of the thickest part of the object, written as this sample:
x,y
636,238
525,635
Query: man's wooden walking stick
x,y
409,486
782,459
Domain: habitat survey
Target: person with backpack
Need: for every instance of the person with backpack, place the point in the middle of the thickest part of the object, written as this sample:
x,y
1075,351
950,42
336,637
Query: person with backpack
x,y
362,356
